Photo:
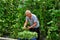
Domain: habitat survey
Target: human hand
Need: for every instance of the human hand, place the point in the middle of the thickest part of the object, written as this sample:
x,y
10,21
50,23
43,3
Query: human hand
x,y
29,27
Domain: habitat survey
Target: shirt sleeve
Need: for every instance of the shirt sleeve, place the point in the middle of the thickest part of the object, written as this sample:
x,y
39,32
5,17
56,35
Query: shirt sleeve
x,y
27,19
35,19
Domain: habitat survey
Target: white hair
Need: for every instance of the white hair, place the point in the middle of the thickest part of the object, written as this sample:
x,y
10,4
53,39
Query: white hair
x,y
28,11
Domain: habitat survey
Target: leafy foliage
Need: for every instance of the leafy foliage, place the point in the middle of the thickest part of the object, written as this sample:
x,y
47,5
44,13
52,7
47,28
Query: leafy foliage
x,y
12,16
24,34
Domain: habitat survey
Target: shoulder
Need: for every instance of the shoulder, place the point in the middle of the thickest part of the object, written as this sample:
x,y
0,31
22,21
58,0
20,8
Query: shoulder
x,y
34,16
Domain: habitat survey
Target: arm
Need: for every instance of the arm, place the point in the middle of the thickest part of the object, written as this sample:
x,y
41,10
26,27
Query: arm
x,y
25,23
33,25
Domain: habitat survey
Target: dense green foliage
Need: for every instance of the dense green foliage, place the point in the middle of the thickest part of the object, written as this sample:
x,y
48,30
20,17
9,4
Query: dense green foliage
x,y
27,34
12,16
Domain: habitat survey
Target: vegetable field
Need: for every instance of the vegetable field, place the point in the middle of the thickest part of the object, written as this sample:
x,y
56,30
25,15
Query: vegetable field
x,y
12,17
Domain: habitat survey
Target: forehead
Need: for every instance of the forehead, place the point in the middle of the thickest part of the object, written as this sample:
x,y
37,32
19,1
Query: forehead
x,y
28,13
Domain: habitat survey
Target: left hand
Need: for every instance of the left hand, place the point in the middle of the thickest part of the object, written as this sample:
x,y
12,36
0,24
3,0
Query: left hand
x,y
29,27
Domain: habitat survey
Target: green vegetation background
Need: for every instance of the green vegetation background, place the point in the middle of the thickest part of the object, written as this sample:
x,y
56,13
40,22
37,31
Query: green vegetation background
x,y
12,17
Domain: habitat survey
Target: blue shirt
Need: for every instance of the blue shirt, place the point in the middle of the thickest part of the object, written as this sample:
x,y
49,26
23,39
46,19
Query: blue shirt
x,y
32,20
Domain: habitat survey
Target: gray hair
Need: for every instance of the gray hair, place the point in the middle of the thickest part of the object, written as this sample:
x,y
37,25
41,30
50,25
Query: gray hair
x,y
27,11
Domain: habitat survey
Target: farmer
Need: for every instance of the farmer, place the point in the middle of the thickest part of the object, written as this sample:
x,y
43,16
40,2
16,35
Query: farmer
x,y
34,23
